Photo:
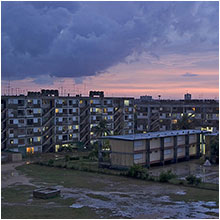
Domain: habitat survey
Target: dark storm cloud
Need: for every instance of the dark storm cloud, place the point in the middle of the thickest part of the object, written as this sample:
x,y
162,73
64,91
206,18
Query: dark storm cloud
x,y
74,39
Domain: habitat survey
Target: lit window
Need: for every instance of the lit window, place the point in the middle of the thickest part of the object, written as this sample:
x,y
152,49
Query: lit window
x,y
91,133
81,101
70,127
38,139
57,110
193,109
174,121
126,102
104,110
91,101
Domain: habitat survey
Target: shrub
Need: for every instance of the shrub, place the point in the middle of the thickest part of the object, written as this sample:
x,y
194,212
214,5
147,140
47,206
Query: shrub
x,y
74,158
165,176
67,158
50,162
191,179
138,172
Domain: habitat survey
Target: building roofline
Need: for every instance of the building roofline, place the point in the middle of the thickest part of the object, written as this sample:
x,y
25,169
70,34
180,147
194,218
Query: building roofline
x,y
151,135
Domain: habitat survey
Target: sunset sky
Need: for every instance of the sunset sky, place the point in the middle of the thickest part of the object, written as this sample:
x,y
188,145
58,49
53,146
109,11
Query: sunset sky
x,y
122,48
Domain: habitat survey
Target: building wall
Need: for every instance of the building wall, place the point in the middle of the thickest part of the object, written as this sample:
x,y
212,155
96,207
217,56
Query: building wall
x,y
39,122
122,153
161,115
127,153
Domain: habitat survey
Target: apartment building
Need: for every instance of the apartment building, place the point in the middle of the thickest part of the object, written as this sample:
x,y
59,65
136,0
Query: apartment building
x,y
155,147
162,115
44,121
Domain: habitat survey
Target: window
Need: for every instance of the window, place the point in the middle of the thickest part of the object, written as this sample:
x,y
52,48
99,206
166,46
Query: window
x,y
37,110
126,102
81,102
110,109
179,150
60,137
57,110
15,121
138,143
35,101
110,117
70,127
192,137
180,138
74,109
60,128
35,120
167,140
75,118
167,152
60,119
138,156
75,126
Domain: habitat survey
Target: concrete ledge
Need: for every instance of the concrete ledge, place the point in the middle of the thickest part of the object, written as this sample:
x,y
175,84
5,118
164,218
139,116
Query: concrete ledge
x,y
46,193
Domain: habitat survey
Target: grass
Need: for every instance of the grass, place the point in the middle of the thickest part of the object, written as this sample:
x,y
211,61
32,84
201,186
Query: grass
x,y
69,178
33,212
194,195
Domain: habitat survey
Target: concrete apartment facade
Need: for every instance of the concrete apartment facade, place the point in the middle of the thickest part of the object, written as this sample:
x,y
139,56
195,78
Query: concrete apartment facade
x,y
155,147
162,115
44,121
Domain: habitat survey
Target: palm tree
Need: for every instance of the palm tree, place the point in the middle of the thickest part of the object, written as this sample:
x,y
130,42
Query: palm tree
x,y
102,129
185,122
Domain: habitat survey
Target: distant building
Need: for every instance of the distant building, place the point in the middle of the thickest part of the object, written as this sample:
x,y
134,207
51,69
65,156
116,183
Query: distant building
x,y
187,96
44,121
155,147
163,115
146,97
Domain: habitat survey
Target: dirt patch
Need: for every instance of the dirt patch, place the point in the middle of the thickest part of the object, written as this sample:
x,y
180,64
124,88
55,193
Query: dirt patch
x,y
10,176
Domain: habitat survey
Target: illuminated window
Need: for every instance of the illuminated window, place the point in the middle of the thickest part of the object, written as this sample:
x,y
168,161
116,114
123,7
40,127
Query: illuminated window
x,y
81,101
70,127
38,138
126,102
174,121
90,109
71,135
91,133
75,126
91,101
193,109
30,150
104,110
11,141
57,110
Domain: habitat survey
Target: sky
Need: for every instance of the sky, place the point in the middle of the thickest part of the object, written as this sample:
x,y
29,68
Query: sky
x,y
122,48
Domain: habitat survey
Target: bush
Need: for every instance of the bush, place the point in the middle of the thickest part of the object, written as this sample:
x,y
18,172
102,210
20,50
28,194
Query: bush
x,y
74,158
138,172
50,162
191,179
166,176
67,158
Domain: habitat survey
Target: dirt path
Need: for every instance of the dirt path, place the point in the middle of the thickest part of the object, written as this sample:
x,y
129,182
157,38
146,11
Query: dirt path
x,y
11,176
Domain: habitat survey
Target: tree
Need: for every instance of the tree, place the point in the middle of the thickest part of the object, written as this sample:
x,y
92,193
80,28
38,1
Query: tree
x,y
102,129
214,148
185,122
